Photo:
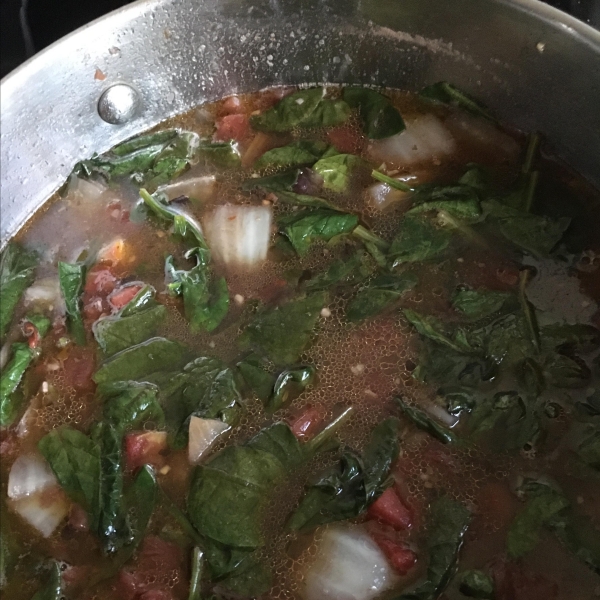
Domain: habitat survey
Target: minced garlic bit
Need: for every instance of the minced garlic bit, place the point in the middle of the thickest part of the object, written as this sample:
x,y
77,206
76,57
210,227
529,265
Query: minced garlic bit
x,y
325,312
165,470
238,299
45,387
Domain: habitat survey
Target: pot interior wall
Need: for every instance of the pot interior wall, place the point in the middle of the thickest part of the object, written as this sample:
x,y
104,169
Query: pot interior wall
x,y
534,66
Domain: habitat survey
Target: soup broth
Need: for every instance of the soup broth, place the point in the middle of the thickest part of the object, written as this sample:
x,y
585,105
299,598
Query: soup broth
x,y
306,344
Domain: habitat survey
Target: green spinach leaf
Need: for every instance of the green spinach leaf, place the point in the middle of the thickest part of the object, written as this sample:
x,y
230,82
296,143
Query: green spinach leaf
x,y
306,226
381,293
305,108
423,421
346,490
17,270
220,154
130,326
295,154
476,584
380,118
434,329
52,589
448,523
535,234
205,296
75,460
577,338
418,240
10,398
350,271
136,363
478,304
567,371
254,371
151,159
205,388
335,169
71,278
446,93
284,332
290,384
524,532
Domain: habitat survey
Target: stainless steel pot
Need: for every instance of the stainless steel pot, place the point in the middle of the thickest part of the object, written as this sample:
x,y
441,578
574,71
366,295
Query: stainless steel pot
x,y
535,66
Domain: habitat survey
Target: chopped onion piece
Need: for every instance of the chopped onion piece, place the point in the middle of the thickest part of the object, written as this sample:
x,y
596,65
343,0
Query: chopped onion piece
x,y
203,433
381,195
424,139
44,510
29,474
4,354
349,566
198,188
45,294
239,235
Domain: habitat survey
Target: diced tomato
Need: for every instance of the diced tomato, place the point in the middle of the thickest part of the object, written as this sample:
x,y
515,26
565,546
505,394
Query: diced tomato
x,y
79,367
346,139
124,295
402,558
75,577
145,449
9,442
231,127
100,281
307,423
508,275
391,510
95,308
158,568
512,582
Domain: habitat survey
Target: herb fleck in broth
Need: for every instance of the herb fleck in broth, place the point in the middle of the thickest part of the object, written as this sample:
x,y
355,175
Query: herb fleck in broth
x,y
453,311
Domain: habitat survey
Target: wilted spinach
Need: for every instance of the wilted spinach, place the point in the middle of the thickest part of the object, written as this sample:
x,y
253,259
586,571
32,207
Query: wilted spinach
x,y
380,293
254,371
478,304
12,374
136,322
304,227
305,108
220,154
17,267
342,272
446,93
476,584
71,278
448,523
289,384
205,388
52,589
295,154
75,460
423,421
535,234
284,332
417,240
205,296
380,118
135,363
435,330
124,410
151,159
335,169
346,490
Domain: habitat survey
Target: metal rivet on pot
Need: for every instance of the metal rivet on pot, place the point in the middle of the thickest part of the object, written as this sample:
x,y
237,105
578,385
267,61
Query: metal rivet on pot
x,y
118,104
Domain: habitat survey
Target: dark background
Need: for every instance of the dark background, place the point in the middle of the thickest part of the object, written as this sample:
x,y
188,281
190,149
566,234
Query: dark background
x,y
27,26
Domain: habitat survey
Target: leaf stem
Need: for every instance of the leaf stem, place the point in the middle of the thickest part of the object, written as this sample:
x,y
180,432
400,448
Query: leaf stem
x,y
525,276
180,517
331,429
196,577
366,235
393,183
